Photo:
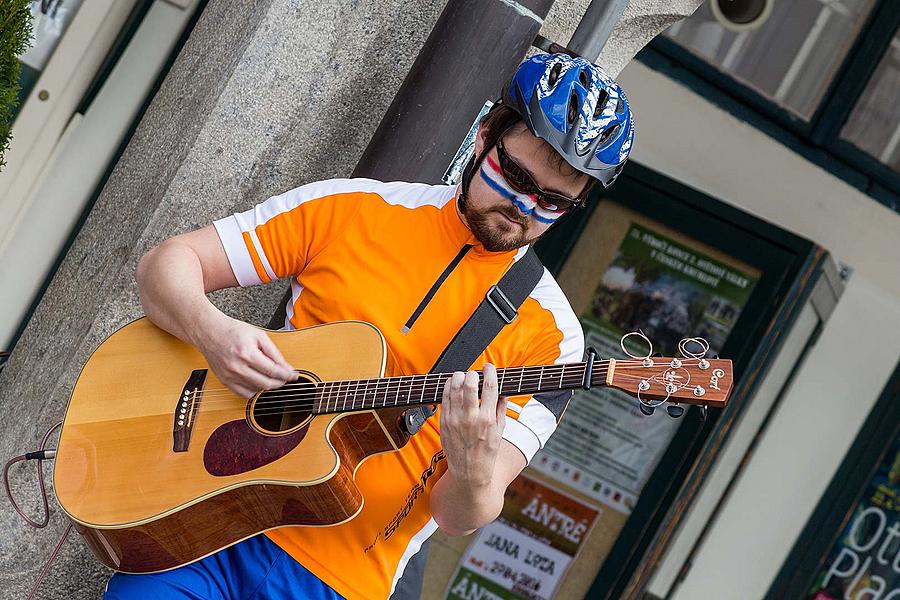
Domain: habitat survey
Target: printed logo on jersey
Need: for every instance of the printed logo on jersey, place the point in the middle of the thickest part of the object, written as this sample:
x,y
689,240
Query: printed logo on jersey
x,y
414,493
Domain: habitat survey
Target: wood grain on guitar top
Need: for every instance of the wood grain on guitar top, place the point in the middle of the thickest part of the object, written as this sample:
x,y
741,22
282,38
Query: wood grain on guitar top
x,y
143,507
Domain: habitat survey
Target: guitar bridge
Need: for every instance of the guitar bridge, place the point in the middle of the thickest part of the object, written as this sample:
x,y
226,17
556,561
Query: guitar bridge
x,y
186,410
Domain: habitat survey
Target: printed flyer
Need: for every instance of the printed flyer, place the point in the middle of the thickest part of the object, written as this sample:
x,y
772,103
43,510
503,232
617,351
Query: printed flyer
x,y
525,552
604,446
864,564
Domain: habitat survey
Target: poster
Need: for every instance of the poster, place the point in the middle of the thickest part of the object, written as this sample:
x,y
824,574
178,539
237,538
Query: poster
x,y
604,446
864,563
525,552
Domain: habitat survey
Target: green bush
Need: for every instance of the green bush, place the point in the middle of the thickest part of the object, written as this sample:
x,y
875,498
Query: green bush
x,y
15,36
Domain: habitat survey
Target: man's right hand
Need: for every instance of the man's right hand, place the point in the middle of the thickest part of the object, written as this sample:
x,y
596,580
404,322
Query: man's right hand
x,y
242,356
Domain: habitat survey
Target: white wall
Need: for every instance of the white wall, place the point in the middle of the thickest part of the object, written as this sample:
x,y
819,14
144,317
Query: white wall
x,y
692,141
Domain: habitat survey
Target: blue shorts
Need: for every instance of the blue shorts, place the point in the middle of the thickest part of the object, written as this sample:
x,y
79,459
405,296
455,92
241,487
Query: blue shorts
x,y
255,569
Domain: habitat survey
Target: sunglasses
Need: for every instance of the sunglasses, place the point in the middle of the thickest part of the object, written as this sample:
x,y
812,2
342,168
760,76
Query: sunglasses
x,y
519,179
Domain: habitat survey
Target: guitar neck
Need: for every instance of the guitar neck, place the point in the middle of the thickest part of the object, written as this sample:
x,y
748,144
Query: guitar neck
x,y
388,392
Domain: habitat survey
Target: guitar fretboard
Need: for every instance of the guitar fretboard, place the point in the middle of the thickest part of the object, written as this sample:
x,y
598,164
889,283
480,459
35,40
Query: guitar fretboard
x,y
387,392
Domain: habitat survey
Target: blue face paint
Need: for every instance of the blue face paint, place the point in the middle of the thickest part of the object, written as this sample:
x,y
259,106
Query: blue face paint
x,y
492,175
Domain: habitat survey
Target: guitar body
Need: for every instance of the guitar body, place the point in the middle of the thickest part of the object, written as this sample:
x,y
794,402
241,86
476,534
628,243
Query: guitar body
x,y
159,465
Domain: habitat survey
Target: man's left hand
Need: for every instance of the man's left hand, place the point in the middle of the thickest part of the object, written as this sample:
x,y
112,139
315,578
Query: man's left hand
x,y
472,428
480,463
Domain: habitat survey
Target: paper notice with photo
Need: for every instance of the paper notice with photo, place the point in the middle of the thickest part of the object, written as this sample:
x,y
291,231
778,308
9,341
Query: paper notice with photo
x,y
525,553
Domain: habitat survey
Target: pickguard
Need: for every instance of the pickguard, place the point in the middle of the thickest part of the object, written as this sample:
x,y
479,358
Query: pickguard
x,y
235,448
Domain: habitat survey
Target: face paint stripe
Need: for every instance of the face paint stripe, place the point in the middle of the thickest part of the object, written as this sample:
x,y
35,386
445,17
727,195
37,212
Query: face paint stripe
x,y
502,180
526,203
497,179
545,220
506,194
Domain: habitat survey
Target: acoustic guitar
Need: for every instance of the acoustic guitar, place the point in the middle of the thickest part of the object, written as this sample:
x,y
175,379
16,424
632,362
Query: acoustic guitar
x,y
159,464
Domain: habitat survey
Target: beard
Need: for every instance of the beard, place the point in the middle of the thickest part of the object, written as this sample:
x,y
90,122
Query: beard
x,y
499,235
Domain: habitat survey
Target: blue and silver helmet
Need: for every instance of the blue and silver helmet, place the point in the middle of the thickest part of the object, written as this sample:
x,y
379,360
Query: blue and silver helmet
x,y
578,109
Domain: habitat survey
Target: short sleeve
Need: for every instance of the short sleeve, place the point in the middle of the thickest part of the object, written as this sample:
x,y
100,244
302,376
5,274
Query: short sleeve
x,y
556,338
278,237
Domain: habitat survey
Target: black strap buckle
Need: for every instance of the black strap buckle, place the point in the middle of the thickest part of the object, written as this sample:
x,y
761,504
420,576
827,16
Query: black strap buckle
x,y
501,304
414,418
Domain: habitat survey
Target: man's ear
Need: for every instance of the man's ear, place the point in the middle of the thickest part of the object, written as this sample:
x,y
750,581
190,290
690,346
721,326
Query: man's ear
x,y
479,139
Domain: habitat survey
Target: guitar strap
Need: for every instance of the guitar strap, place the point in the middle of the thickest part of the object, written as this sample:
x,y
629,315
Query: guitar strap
x,y
499,308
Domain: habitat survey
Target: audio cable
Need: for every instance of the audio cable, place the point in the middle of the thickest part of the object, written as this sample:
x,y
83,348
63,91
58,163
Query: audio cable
x,y
40,455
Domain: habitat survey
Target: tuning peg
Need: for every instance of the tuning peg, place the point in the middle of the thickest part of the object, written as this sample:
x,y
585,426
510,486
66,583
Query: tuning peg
x,y
675,410
647,410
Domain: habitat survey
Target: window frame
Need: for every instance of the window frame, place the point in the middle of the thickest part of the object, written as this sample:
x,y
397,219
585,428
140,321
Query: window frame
x,y
790,266
818,139
836,505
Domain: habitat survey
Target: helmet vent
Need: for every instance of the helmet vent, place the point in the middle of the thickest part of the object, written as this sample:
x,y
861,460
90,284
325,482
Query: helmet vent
x,y
585,78
610,132
620,106
554,74
601,103
573,109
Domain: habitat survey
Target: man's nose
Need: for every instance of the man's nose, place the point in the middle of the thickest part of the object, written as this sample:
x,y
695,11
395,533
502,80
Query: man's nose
x,y
524,205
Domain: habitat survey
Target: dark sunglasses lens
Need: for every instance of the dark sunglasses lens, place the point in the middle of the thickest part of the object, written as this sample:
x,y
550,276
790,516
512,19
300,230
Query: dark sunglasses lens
x,y
522,182
555,203
515,175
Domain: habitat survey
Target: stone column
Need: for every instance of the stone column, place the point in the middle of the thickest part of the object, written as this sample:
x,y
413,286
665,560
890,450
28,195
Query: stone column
x,y
265,95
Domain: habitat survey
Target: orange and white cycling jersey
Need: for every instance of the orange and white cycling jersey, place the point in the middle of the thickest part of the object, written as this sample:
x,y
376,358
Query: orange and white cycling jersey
x,y
359,249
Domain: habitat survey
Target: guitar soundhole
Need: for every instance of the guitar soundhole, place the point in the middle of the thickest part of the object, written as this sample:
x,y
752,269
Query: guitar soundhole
x,y
287,408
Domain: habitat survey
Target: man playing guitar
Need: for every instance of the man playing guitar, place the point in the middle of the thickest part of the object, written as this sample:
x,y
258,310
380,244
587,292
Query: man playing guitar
x,y
415,260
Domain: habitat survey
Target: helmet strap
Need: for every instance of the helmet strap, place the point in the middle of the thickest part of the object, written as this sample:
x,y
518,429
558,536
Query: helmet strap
x,y
471,167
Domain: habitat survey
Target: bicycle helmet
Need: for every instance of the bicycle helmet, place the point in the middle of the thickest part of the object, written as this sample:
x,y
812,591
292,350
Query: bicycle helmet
x,y
578,109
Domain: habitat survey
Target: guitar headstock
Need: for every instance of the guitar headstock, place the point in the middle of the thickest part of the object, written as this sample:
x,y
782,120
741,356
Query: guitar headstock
x,y
690,379
677,380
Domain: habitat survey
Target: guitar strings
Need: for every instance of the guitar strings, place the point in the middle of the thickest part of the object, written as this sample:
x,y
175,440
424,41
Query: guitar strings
x,y
620,364
312,397
340,405
310,406
395,385
397,380
338,402
331,399
434,389
548,371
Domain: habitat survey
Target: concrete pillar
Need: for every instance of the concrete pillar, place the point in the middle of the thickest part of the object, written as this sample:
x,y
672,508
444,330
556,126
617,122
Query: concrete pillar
x,y
265,95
